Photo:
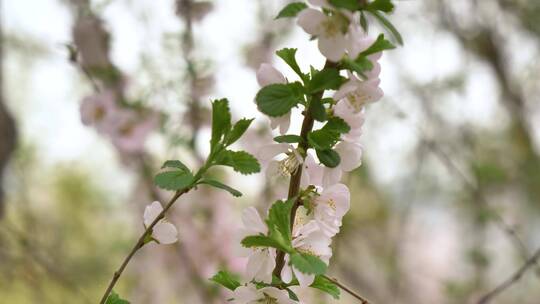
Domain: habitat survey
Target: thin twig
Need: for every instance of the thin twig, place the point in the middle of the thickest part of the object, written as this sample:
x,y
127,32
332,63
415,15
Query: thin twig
x,y
348,290
140,243
511,280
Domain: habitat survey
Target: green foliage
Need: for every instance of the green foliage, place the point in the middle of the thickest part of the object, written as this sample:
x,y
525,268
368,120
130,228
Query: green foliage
x,y
175,164
238,130
381,5
307,263
291,10
317,109
388,25
289,56
278,99
266,241
326,285
292,295
379,45
351,5
329,158
174,180
217,184
226,279
363,22
338,125
240,161
114,298
221,121
289,138
327,79
329,135
358,65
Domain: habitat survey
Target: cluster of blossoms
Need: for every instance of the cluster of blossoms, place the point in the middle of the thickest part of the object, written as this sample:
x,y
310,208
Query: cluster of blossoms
x,y
317,200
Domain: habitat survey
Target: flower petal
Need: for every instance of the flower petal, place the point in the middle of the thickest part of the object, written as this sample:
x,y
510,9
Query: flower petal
x,y
267,74
332,47
310,20
165,232
351,155
151,212
252,221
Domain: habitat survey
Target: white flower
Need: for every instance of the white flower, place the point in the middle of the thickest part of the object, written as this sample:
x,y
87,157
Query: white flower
x,y
251,295
344,110
267,75
284,167
357,40
261,261
310,239
330,31
330,207
351,156
163,232
358,93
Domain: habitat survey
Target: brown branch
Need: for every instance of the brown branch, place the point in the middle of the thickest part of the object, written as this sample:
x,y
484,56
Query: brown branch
x,y
140,243
511,280
348,290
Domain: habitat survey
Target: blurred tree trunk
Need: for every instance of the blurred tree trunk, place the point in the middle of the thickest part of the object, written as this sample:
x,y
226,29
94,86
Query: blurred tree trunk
x,y
7,126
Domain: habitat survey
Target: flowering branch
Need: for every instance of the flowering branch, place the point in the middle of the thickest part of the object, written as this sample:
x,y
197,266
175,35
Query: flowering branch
x,y
348,290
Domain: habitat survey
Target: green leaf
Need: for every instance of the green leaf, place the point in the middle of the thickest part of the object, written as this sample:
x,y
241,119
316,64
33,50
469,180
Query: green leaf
x,y
175,164
327,79
379,45
277,99
381,5
363,22
173,180
326,285
307,263
266,241
238,130
226,279
289,138
291,10
317,109
217,184
221,120
279,220
114,298
352,5
388,25
329,158
289,56
240,161
292,295
323,139
337,124
359,65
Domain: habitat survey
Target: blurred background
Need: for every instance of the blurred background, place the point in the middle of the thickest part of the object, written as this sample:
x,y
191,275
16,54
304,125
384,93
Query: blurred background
x,y
445,207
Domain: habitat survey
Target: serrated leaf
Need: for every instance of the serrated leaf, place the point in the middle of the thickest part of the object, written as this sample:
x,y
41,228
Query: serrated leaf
x,y
217,184
240,161
277,99
307,263
175,164
291,10
238,130
337,124
226,279
173,180
351,5
326,285
317,110
279,219
327,79
114,298
221,120
359,65
381,5
329,158
289,56
266,241
289,138
379,45
388,25
323,139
